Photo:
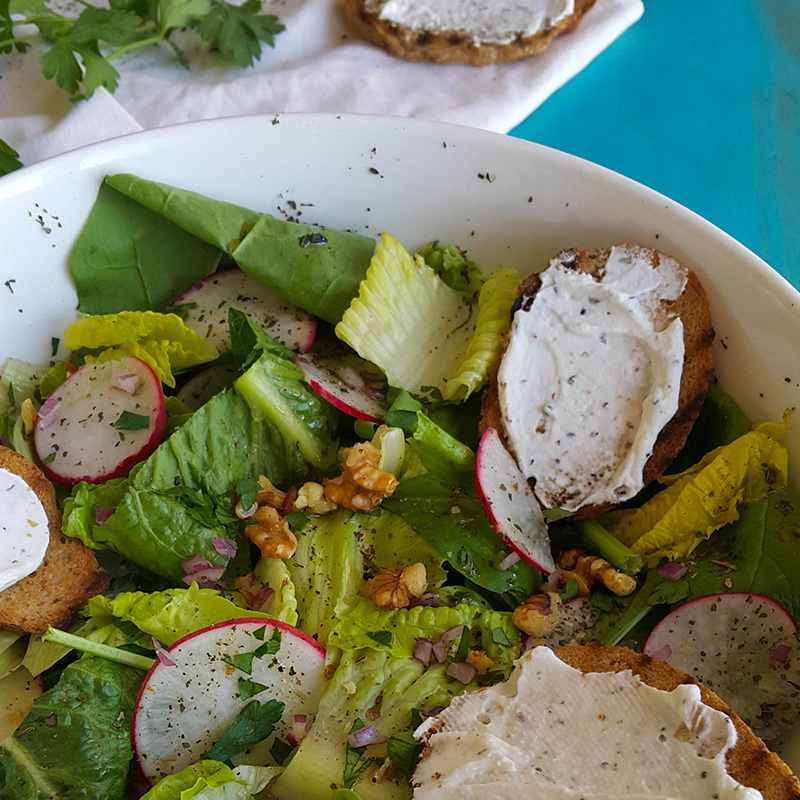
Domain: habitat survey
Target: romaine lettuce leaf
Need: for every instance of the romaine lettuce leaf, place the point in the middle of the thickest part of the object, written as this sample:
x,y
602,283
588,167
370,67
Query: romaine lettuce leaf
x,y
439,452
276,389
212,780
75,743
18,383
315,268
169,615
452,265
160,340
128,258
274,573
703,498
422,333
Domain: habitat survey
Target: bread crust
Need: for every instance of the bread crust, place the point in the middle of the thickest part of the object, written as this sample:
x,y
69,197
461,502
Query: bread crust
x,y
67,577
749,761
452,47
698,362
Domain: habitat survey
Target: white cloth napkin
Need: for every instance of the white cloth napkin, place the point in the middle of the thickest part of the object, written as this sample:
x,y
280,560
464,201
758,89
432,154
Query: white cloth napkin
x,y
317,65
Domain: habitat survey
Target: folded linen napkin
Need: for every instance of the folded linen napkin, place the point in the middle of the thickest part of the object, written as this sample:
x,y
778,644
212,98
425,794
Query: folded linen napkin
x,y
317,65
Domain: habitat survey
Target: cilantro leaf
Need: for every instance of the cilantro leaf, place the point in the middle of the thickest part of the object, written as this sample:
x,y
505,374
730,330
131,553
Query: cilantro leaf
x,y
9,157
129,421
254,723
248,689
103,24
403,750
59,63
237,31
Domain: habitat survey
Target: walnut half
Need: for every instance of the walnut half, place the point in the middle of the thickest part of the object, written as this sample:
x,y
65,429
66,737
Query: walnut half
x,y
362,486
396,588
271,534
538,615
588,570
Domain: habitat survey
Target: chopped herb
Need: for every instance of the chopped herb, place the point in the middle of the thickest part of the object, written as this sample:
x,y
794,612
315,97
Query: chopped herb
x,y
181,310
128,421
248,689
601,601
416,718
381,637
403,750
463,644
247,489
242,661
54,343
311,239
52,379
271,646
254,723
499,636
49,458
259,633
297,520
280,751
570,591
354,766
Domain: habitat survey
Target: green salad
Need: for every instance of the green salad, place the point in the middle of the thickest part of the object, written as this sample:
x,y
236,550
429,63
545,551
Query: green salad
x,y
310,537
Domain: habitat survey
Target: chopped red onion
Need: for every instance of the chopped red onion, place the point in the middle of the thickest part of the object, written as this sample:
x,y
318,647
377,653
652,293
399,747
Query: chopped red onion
x,y
224,546
262,599
206,578
427,599
781,653
298,730
423,649
672,571
194,564
288,500
462,672
528,643
451,635
363,737
431,713
161,654
553,582
662,654
509,561
439,651
126,383
102,513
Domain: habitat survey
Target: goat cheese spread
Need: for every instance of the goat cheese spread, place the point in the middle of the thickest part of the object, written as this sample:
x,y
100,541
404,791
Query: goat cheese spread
x,y
591,376
24,529
487,21
555,733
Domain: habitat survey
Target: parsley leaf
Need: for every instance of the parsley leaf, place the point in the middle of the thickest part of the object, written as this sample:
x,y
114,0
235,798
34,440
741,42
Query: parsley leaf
x,y
103,24
271,646
97,72
237,31
259,633
403,750
463,644
248,689
129,421
570,591
59,63
254,723
9,157
181,13
297,520
382,637
280,751
242,661
354,767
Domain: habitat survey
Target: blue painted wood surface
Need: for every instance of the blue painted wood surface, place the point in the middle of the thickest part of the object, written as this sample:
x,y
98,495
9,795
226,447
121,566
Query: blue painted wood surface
x,y
699,100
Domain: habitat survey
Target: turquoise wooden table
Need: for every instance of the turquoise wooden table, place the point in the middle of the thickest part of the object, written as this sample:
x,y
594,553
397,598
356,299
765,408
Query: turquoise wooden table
x,y
701,101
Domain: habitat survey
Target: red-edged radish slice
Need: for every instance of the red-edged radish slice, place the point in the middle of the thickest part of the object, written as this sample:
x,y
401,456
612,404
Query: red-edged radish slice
x,y
101,421
202,386
348,383
17,693
510,504
742,646
182,710
213,296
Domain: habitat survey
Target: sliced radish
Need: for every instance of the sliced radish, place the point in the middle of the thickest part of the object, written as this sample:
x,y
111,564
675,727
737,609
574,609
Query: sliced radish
x,y
348,383
510,504
208,301
182,710
202,386
93,428
742,646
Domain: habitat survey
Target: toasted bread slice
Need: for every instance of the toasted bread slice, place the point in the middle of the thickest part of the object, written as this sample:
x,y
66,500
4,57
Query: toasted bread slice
x,y
66,579
698,336
749,761
453,46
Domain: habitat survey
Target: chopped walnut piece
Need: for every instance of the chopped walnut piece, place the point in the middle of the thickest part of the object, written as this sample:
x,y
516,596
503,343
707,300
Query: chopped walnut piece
x,y
271,534
362,486
311,498
269,495
396,588
538,615
587,570
479,660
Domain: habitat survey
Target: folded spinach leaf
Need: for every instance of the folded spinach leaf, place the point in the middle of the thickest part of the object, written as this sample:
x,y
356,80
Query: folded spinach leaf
x,y
128,258
75,742
318,269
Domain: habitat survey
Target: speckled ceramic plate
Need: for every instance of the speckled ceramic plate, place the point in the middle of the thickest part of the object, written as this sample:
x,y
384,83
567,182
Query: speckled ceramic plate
x,y
511,203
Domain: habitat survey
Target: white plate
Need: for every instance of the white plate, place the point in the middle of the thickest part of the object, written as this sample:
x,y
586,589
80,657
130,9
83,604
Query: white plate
x,y
511,203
